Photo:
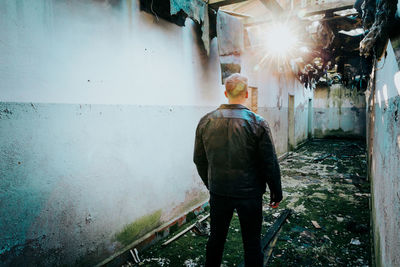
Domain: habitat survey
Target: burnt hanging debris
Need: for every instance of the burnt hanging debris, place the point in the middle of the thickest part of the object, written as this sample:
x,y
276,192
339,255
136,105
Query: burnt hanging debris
x,y
334,38
161,9
378,21
176,11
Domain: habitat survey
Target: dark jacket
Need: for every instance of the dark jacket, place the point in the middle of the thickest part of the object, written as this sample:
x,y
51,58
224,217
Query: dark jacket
x,y
235,155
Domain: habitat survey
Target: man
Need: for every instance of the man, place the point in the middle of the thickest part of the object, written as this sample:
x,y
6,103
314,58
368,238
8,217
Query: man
x,y
235,157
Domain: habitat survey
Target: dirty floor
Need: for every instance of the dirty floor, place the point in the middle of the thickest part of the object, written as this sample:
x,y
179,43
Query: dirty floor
x,y
324,181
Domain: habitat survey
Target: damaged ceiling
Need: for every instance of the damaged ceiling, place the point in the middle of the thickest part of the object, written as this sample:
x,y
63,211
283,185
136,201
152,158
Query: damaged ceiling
x,y
339,39
329,32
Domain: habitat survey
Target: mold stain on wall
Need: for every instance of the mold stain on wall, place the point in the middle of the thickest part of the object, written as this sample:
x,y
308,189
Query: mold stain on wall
x,y
139,227
339,112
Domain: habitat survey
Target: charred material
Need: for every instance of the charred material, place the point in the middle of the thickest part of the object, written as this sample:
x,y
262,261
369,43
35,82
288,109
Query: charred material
x,y
375,41
161,9
335,57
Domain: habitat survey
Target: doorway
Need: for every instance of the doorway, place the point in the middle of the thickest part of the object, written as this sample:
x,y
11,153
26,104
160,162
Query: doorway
x,y
252,101
291,138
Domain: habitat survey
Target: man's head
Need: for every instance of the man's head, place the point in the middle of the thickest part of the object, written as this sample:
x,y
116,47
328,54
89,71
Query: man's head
x,y
236,88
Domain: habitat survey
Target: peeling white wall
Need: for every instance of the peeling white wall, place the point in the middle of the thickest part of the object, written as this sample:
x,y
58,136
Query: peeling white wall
x,y
98,109
93,53
384,146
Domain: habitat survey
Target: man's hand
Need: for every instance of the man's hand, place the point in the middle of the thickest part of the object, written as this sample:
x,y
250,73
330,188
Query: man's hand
x,y
274,205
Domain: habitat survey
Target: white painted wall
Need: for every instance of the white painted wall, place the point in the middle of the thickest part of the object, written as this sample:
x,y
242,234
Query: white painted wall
x,y
384,166
116,96
50,49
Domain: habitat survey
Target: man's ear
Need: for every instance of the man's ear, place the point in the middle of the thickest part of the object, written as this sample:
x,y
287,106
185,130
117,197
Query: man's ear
x,y
247,94
226,94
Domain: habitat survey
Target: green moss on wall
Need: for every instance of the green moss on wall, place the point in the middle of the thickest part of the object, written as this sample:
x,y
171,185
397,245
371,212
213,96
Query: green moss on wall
x,y
138,228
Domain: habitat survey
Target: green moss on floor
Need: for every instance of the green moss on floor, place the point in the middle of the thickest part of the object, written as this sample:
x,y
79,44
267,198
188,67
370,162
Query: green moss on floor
x,y
133,231
332,191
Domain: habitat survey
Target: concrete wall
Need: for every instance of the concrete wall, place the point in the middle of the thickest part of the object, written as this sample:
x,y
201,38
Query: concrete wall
x,y
384,154
339,112
98,108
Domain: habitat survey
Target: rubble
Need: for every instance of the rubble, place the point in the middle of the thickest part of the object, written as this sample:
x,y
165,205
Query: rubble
x,y
321,195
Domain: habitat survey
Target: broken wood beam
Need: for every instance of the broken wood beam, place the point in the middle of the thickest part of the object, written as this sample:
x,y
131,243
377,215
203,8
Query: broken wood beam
x,y
273,230
270,248
184,231
270,238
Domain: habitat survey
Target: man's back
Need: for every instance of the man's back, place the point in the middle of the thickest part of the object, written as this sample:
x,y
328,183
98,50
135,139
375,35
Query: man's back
x,y
235,157
235,154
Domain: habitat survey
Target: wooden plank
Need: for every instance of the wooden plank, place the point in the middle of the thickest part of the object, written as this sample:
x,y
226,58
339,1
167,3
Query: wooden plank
x,y
184,231
275,228
270,248
269,240
215,4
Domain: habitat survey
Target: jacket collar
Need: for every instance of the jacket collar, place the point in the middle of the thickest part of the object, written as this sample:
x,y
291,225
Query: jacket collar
x,y
232,106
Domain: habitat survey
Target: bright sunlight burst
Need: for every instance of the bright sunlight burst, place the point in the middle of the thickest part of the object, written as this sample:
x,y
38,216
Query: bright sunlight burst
x,y
281,39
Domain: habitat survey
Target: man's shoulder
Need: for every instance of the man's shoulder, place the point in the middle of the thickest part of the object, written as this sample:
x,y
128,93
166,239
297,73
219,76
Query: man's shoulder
x,y
207,117
255,118
249,115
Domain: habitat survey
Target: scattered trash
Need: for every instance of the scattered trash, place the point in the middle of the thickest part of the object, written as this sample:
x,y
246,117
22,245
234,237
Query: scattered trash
x,y
355,241
335,232
362,194
339,219
135,255
160,261
276,214
316,194
321,158
202,228
308,235
190,263
316,225
327,237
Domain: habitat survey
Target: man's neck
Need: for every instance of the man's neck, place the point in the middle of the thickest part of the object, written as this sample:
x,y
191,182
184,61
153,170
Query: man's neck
x,y
236,101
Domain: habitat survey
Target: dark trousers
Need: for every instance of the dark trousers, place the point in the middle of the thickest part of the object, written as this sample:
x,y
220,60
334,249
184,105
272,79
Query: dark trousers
x,y
250,217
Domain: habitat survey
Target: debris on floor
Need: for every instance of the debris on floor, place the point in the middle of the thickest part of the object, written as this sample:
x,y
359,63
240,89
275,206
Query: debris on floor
x,y
329,225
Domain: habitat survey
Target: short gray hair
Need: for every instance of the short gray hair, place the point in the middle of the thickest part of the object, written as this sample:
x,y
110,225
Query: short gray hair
x,y
236,85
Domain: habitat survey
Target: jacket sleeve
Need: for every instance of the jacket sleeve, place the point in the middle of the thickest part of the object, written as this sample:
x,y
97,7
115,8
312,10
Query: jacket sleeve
x,y
199,156
270,171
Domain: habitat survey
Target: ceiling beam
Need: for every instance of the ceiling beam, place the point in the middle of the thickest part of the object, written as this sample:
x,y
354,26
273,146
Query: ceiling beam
x,y
247,22
328,8
272,5
215,4
236,14
263,20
